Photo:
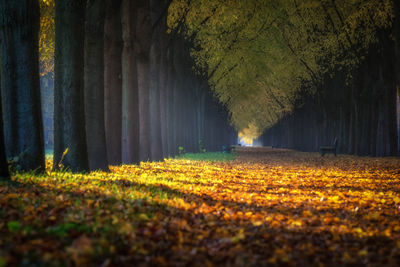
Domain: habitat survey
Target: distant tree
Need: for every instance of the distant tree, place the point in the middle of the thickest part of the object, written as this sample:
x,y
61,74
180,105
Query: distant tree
x,y
94,85
262,59
69,110
19,21
113,80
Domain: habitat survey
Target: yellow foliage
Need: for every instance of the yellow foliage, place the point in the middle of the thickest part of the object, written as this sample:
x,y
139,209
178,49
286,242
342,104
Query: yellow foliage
x,y
250,133
46,36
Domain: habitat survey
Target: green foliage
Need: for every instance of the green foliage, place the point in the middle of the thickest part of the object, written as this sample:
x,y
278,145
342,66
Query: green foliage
x,y
3,262
14,226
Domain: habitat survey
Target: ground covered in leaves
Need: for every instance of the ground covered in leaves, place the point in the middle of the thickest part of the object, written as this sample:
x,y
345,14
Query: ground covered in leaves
x,y
267,206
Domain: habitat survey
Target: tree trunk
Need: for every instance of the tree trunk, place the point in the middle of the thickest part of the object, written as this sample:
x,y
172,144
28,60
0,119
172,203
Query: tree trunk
x,y
112,80
373,128
396,34
154,101
392,119
21,84
130,100
94,85
143,32
157,20
69,110
170,102
380,131
4,174
163,84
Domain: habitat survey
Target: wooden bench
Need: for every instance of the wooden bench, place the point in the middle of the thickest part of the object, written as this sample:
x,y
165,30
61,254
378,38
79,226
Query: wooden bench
x,y
230,149
329,149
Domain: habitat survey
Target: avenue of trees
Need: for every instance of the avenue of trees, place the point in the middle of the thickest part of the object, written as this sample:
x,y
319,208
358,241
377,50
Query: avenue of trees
x,y
132,78
301,72
124,89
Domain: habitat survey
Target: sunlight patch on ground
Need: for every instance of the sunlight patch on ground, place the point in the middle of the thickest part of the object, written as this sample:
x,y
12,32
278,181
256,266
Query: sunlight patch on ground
x,y
267,206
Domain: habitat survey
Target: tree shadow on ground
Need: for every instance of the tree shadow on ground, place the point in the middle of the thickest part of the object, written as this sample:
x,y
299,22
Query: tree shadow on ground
x,y
110,230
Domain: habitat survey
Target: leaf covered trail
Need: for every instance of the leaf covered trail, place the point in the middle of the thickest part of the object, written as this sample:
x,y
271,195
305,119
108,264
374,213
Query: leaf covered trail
x,y
268,206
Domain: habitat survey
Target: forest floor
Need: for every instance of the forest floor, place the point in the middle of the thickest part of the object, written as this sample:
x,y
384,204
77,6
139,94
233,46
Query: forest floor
x,y
267,206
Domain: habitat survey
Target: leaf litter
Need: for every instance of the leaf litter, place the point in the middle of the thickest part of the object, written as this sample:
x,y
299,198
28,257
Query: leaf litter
x,y
268,206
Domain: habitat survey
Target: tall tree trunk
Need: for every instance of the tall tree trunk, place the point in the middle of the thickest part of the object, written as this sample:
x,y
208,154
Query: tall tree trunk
x,y
21,86
156,147
113,80
373,128
154,101
163,83
69,110
170,102
380,144
396,35
94,85
392,118
142,41
397,40
4,174
130,98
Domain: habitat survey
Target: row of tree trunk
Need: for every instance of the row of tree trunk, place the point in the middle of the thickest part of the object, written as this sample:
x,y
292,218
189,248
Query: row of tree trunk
x,y
124,90
360,111
164,105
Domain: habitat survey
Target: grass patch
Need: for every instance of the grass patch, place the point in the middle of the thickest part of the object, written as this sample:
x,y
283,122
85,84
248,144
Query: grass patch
x,y
209,156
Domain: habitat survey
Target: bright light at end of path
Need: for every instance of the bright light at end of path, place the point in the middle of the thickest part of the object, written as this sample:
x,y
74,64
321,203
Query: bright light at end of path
x,y
245,141
248,135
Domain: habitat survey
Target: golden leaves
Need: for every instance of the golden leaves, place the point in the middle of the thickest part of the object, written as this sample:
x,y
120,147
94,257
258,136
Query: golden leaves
x,y
46,36
277,206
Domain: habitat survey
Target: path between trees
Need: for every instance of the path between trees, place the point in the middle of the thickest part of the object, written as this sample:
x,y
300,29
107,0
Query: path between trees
x,y
268,206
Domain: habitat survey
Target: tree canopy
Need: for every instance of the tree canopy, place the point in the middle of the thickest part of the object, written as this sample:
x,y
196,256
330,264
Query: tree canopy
x,y
47,35
258,56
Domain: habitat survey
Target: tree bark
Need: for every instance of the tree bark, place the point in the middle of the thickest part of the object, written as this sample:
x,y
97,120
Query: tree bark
x,y
170,103
163,76
21,86
143,31
4,174
69,110
94,85
130,97
157,20
396,34
113,80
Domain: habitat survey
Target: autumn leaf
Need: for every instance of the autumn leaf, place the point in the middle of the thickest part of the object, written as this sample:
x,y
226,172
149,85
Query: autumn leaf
x,y
171,212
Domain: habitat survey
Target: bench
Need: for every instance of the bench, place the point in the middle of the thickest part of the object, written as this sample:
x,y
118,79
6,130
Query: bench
x,y
227,149
329,149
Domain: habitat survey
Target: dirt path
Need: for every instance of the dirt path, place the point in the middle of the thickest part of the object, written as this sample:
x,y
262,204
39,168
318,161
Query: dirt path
x,y
286,157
